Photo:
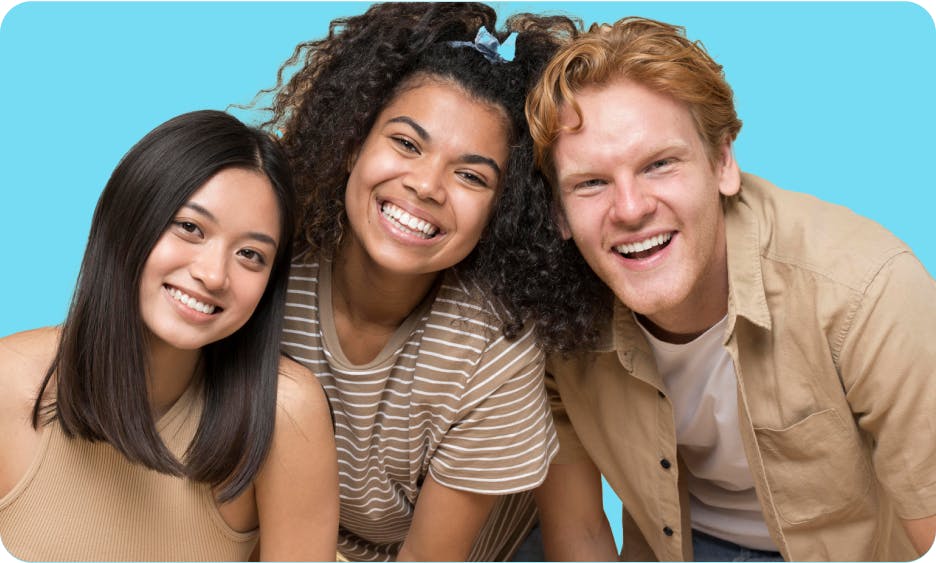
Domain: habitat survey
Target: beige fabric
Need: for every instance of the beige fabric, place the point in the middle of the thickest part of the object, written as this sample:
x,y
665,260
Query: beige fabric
x,y
448,396
83,501
700,382
831,330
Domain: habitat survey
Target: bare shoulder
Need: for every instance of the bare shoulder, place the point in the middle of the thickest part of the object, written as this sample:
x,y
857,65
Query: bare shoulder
x,y
299,392
30,346
24,359
297,489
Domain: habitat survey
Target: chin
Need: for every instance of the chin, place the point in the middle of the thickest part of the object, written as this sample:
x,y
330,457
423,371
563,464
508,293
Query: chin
x,y
180,342
190,345
647,304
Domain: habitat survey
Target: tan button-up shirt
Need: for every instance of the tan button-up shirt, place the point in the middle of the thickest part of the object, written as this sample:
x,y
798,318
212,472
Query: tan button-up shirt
x,y
832,330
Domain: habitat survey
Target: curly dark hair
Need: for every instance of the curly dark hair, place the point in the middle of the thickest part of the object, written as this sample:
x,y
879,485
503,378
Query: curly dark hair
x,y
327,108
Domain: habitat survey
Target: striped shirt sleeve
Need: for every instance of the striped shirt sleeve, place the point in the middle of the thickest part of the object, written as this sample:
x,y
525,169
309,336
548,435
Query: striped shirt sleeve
x,y
503,439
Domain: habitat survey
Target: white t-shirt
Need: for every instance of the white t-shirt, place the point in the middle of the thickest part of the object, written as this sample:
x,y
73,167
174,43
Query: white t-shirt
x,y
702,385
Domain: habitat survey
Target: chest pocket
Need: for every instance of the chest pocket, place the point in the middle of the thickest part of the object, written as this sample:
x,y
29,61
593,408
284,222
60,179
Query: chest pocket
x,y
814,467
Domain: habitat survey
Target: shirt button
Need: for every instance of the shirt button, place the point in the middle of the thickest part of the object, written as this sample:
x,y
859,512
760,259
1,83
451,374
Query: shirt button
x,y
667,530
665,463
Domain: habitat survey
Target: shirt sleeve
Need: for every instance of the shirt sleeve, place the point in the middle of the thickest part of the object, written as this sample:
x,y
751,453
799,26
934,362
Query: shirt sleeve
x,y
888,366
571,449
504,439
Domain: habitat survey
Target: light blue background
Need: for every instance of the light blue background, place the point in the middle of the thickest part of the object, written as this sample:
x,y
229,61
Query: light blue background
x,y
836,100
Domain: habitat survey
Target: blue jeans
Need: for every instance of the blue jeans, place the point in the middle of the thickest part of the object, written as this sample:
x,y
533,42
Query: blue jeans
x,y
708,548
532,547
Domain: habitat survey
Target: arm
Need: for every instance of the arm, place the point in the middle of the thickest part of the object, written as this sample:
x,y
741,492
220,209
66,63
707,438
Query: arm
x,y
297,488
445,523
921,532
887,367
572,516
500,443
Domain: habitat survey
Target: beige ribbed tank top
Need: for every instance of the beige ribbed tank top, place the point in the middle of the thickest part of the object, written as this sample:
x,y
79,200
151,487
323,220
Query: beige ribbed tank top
x,y
83,501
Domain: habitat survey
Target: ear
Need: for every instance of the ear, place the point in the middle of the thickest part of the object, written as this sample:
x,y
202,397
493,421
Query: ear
x,y
352,159
729,175
562,223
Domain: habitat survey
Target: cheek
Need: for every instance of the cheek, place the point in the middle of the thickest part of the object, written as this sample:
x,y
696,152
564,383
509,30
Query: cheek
x,y
372,166
706,213
480,210
162,258
250,291
579,219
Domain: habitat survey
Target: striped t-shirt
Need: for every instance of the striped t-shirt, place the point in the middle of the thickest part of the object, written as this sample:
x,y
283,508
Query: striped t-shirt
x,y
448,395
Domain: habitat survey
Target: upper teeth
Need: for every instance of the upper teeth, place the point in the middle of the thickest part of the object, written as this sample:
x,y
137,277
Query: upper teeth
x,y
405,220
646,244
191,302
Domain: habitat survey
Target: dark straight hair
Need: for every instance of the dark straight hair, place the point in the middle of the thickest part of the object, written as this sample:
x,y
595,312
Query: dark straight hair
x,y
101,365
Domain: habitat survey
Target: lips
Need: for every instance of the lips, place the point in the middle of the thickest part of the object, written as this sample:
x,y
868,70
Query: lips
x,y
644,248
192,302
408,223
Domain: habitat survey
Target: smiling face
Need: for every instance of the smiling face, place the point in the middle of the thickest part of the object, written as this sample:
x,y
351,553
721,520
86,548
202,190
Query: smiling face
x,y
209,269
423,183
642,201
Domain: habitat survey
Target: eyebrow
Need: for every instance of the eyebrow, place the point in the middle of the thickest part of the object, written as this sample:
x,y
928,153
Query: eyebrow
x,y
425,136
260,237
478,159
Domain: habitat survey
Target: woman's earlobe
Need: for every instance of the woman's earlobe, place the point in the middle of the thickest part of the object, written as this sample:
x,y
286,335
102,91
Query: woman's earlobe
x,y
562,224
352,159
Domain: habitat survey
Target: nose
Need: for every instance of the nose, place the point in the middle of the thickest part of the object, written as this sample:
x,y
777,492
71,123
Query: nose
x,y
632,202
210,267
426,179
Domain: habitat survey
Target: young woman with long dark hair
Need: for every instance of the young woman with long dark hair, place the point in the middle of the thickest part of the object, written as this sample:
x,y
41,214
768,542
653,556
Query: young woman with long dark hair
x,y
160,421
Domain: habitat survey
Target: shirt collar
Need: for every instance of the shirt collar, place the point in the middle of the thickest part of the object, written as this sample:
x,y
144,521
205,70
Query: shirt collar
x,y
746,294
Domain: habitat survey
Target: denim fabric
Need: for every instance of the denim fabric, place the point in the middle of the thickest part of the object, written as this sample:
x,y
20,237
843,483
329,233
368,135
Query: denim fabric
x,y
708,548
532,547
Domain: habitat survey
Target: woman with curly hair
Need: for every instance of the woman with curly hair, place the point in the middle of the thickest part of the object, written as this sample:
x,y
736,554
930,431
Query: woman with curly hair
x,y
421,227
160,422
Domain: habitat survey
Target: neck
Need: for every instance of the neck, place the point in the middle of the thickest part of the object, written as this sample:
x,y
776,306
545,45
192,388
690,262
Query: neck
x,y
170,372
367,294
684,337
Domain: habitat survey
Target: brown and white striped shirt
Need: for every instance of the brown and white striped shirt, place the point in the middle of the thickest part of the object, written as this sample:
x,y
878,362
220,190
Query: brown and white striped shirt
x,y
448,396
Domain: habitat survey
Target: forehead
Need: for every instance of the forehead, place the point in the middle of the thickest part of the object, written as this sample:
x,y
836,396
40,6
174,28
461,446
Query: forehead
x,y
424,88
622,116
238,199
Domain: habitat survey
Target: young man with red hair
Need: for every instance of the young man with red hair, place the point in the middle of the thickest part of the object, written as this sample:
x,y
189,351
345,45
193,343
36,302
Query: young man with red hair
x,y
760,382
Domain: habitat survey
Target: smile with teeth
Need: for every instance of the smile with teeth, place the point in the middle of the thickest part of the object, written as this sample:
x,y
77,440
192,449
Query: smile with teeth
x,y
406,222
644,248
190,301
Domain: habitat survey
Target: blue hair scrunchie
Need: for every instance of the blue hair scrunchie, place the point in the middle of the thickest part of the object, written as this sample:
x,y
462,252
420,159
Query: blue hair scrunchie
x,y
490,47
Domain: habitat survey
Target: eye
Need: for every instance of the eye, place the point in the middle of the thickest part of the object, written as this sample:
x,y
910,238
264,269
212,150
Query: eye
x,y
252,256
472,178
187,227
590,183
405,144
657,165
